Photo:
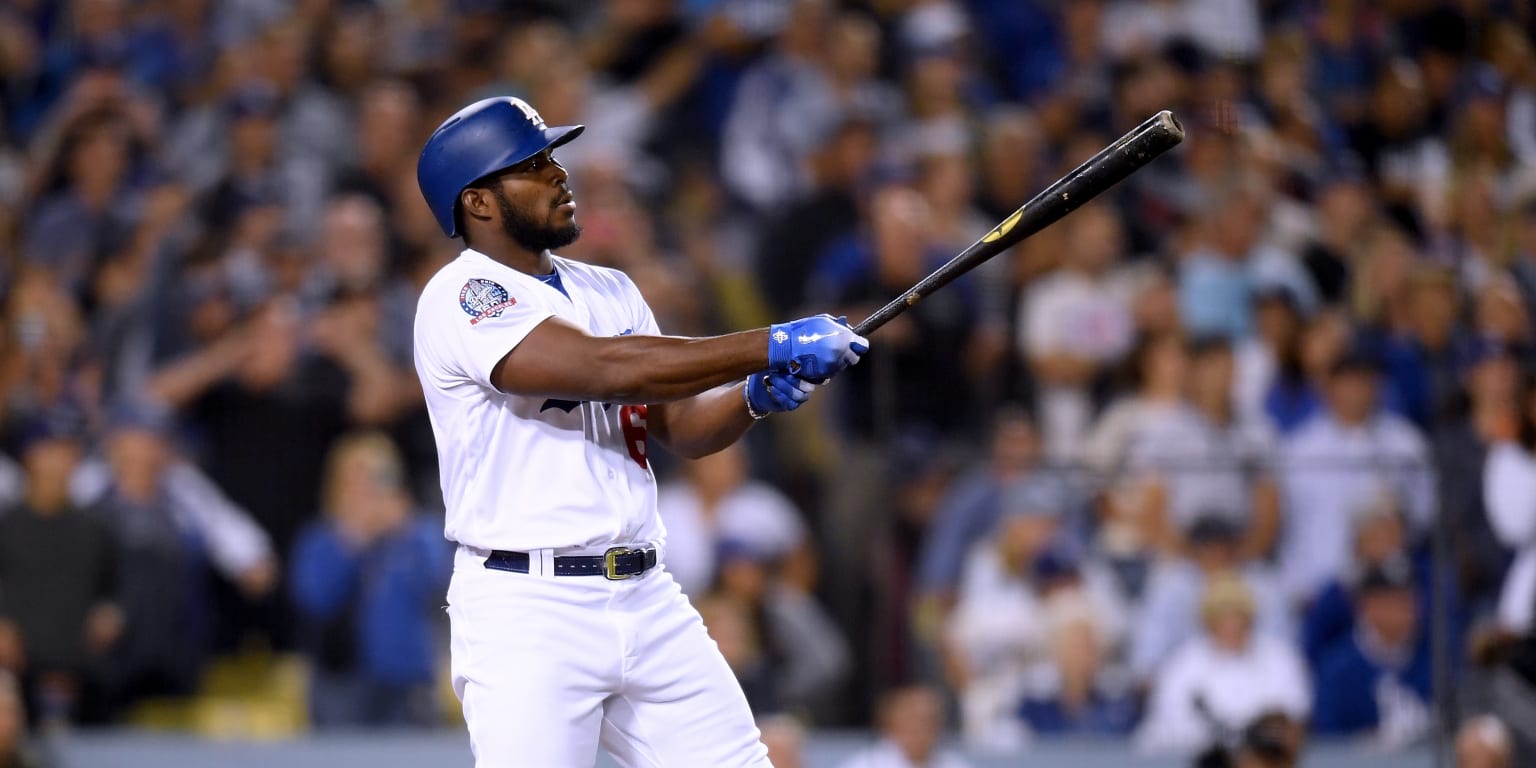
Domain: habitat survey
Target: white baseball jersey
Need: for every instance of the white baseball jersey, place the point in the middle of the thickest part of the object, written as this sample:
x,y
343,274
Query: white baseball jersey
x,y
529,473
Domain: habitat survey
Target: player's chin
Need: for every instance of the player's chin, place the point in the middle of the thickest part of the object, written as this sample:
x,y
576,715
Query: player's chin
x,y
566,234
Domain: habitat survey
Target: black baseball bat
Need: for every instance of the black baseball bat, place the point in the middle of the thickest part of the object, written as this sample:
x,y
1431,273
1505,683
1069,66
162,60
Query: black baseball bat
x,y
1109,167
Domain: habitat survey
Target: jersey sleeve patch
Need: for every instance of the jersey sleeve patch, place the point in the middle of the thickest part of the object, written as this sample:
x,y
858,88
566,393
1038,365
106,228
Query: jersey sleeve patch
x,y
483,299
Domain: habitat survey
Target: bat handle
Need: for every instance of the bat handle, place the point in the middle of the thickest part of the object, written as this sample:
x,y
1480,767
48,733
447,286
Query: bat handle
x,y
888,312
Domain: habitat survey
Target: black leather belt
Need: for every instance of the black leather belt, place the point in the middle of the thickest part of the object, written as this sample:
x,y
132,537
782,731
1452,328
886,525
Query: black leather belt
x,y
616,564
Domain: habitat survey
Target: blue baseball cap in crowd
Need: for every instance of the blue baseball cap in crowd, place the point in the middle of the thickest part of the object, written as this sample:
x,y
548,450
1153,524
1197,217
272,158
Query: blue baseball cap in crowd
x,y
58,422
253,98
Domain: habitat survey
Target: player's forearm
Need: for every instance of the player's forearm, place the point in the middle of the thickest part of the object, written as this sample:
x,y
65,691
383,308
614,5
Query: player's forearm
x,y
645,369
628,369
702,424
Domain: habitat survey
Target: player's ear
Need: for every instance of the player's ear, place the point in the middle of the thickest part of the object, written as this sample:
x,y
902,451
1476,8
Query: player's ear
x,y
477,203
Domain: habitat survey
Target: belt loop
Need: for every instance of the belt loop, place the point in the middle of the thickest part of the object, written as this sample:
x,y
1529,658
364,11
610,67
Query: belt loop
x,y
546,561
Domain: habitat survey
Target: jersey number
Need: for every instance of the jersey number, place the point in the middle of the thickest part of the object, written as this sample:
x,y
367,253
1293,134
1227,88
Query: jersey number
x,y
632,421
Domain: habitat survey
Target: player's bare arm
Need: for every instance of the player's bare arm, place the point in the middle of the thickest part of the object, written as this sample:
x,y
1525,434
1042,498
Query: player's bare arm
x,y
708,422
559,360
703,424
683,379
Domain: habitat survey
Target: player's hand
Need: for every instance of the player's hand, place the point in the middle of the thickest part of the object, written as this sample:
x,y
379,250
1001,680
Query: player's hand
x,y
814,348
774,392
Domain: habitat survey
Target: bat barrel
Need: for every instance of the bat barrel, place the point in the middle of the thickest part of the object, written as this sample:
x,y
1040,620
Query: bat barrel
x,y
1156,135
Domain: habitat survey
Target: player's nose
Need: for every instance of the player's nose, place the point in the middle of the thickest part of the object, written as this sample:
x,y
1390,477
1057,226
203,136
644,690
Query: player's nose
x,y
557,171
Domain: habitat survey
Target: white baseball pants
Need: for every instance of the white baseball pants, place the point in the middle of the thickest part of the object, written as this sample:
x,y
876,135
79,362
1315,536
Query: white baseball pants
x,y
550,668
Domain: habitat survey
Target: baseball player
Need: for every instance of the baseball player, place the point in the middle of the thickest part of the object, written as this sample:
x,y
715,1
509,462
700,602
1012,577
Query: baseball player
x,y
545,379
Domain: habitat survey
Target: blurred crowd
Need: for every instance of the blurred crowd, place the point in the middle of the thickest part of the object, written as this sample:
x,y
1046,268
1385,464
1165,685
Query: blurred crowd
x,y
1243,446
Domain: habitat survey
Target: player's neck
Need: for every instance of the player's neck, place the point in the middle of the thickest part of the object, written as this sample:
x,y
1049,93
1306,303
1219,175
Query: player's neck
x,y
517,257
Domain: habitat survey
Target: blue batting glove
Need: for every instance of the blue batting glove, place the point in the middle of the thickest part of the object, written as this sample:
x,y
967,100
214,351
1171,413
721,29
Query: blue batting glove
x,y
773,392
814,348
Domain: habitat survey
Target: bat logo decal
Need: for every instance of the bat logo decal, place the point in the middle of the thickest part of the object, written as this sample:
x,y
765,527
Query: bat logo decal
x,y
1003,228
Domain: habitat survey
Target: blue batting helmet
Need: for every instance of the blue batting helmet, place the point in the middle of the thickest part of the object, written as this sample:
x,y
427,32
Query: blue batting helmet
x,y
485,137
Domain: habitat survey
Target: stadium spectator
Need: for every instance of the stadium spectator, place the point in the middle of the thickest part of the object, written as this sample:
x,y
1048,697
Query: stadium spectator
x,y
1224,678
57,625
974,501
1217,275
1421,376
1079,690
1158,367
1345,209
1346,457
13,726
89,198
1270,359
1207,458
796,237
172,525
1075,325
1380,536
1296,396
368,582
269,398
717,501
781,103
1488,414
1523,266
1408,163
1377,678
1483,742
804,655
1012,160
1509,486
1169,612
910,722
738,633
1480,141
1272,740
47,366
993,646
928,346
784,736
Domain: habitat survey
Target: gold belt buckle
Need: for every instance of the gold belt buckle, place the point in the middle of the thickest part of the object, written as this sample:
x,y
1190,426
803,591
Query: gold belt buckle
x,y
611,563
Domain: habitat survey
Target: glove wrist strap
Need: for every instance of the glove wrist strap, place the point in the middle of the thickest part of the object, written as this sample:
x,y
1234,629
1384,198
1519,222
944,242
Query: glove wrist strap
x,y
746,397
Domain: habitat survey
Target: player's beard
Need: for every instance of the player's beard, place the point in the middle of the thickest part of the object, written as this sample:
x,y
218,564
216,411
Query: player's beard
x,y
529,231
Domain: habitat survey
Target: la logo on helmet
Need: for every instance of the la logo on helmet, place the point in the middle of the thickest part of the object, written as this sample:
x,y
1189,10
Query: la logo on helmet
x,y
528,112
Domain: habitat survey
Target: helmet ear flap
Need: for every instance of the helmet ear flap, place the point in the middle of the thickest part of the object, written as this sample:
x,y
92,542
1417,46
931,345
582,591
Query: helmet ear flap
x,y
458,222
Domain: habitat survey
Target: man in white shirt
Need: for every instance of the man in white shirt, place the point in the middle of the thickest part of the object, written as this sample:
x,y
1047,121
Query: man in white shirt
x,y
995,633
544,378
1350,456
1223,679
1076,321
1169,611
1509,488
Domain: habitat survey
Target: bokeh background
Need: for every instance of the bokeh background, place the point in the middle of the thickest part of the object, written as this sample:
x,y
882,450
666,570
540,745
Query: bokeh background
x,y
1238,455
